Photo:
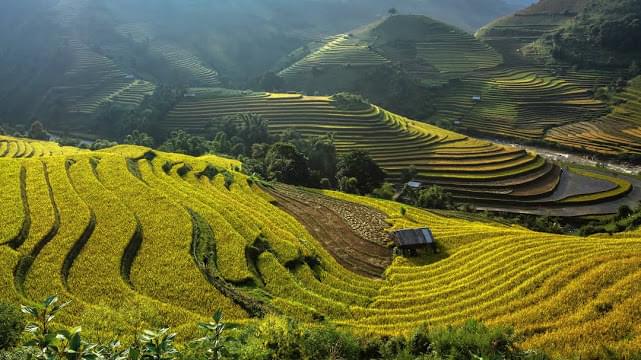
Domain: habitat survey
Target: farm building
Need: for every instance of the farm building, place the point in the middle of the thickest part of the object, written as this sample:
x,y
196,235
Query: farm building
x,y
411,240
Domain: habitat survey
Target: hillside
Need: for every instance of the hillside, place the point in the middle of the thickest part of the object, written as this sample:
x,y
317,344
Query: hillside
x,y
511,34
65,60
81,226
431,71
393,62
476,171
617,133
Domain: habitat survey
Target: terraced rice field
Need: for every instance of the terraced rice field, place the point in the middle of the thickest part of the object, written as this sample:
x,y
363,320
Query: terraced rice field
x,y
94,79
431,52
26,148
340,50
522,103
616,133
80,225
472,169
198,73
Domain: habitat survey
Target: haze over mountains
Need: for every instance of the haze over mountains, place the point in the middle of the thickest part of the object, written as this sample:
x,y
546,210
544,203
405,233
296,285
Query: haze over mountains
x,y
71,53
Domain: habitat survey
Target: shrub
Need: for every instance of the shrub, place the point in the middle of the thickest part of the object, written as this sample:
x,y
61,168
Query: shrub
x,y
348,185
12,324
139,138
348,101
286,164
386,191
473,339
359,165
419,343
434,197
325,183
327,342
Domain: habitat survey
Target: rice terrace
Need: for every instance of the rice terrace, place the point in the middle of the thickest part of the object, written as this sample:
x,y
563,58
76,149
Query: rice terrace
x,y
279,179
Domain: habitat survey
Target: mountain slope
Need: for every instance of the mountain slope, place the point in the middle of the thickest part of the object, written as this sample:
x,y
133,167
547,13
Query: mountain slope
x,y
80,226
393,62
476,171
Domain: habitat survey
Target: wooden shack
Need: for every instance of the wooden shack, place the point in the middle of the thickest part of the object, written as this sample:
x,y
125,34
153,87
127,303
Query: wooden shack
x,y
409,241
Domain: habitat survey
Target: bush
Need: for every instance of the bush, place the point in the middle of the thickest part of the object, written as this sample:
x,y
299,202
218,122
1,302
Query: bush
x,y
359,165
348,185
434,197
419,342
474,339
348,101
386,191
12,325
328,343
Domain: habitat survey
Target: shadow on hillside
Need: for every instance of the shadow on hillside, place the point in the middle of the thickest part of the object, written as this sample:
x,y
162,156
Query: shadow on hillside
x,y
427,258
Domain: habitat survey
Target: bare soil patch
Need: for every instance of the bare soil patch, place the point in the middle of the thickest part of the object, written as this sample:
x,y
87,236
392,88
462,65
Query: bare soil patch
x,y
353,234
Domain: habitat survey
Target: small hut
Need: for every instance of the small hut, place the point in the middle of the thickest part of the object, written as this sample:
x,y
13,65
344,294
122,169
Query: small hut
x,y
409,241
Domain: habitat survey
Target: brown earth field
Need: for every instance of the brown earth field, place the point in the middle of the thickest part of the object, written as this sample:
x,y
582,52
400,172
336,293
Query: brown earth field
x,y
353,234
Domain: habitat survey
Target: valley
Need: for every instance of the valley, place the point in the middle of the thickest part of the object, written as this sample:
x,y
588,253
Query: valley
x,y
380,179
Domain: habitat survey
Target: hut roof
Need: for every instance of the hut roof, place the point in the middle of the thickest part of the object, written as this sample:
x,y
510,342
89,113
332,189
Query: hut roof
x,y
413,237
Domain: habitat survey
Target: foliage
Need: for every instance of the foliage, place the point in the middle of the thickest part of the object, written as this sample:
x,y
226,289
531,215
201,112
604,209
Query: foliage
x,y
157,345
139,138
360,166
614,26
408,174
286,164
386,191
215,342
116,122
434,197
348,101
37,131
348,185
11,326
474,340
270,81
184,143
102,144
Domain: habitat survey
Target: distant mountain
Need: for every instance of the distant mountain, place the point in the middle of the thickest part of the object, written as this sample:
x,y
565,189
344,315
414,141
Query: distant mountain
x,y
593,33
63,60
393,62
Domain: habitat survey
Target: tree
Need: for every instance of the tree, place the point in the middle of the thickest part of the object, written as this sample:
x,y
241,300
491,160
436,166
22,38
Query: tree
x,y
322,157
184,143
359,165
386,191
11,326
392,11
408,174
270,81
286,164
634,69
37,131
102,144
253,129
139,138
348,185
434,197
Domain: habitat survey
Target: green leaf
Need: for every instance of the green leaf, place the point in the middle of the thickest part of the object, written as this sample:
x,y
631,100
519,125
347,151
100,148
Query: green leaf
x,y
218,315
50,300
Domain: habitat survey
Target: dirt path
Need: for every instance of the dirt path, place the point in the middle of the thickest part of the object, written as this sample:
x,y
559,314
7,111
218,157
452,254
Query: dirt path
x,y
351,233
